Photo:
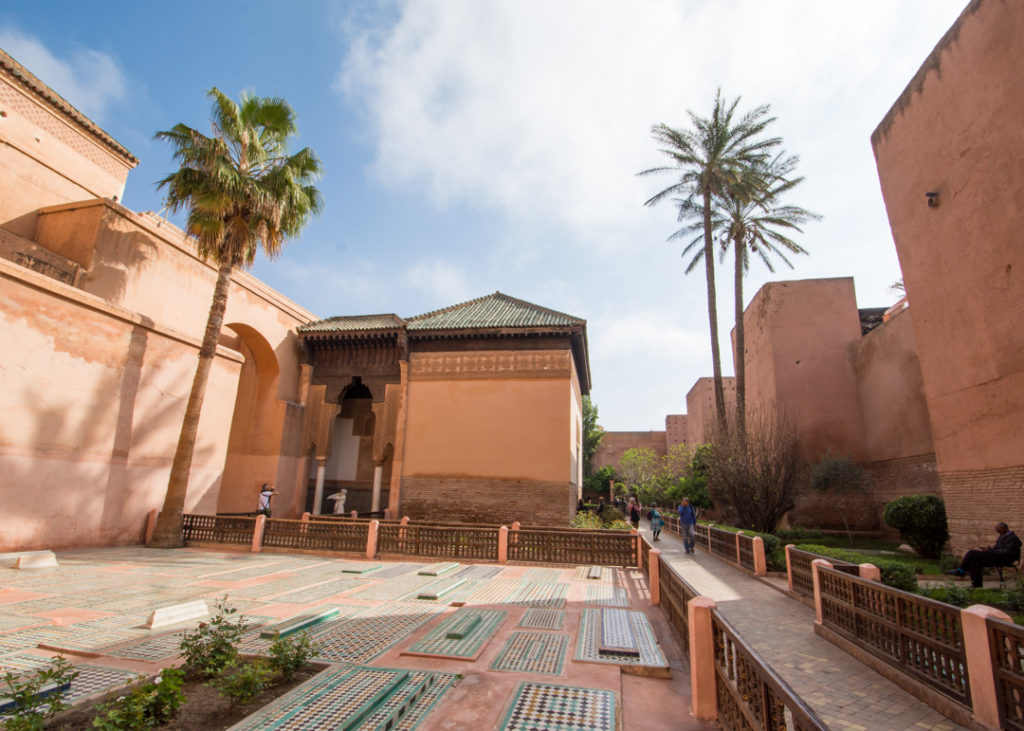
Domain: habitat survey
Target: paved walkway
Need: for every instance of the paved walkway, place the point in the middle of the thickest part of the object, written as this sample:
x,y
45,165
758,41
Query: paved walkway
x,y
844,692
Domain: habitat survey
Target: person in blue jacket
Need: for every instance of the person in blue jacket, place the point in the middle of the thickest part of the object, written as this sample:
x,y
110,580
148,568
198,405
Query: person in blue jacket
x,y
688,523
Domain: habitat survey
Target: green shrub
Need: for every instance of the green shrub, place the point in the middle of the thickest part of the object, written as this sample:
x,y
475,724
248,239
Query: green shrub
x,y
212,646
149,705
288,654
921,521
31,710
893,573
241,683
1013,597
791,535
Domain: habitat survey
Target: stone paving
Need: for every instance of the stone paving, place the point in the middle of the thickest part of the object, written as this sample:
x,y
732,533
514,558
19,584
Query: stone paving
x,y
843,692
94,606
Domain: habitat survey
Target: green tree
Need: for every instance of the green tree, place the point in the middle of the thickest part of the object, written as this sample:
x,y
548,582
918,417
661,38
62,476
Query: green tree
x,y
752,220
243,191
592,434
710,160
639,467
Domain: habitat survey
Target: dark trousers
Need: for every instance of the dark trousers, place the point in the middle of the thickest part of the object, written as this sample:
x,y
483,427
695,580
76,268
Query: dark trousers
x,y
975,561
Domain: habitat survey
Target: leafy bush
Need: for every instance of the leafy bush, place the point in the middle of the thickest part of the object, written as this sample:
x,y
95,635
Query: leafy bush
x,y
774,550
212,646
288,654
893,573
797,534
31,710
151,704
610,518
240,683
921,521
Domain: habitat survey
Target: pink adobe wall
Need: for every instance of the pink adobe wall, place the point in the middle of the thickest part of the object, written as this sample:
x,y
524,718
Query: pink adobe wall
x,y
675,430
46,159
700,408
956,130
93,399
799,337
615,443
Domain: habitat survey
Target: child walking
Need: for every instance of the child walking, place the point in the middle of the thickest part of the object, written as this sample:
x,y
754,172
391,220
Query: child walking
x,y
657,522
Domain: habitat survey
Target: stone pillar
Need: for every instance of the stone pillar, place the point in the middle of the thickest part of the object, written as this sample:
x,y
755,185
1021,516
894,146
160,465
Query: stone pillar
x,y
318,493
702,658
378,474
503,544
257,534
151,524
789,567
760,561
815,565
979,662
371,539
655,576
869,572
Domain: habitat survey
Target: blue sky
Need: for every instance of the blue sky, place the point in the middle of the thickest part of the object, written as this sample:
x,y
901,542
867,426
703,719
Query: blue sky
x,y
474,146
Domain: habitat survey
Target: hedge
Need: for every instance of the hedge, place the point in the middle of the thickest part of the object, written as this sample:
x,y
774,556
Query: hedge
x,y
894,573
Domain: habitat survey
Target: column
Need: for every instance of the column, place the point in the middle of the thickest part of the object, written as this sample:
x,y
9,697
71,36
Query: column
x,y
702,658
318,493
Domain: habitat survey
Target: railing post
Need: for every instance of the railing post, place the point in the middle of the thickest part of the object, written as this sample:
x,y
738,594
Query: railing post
x,y
387,513
979,662
760,562
702,658
710,528
789,567
371,538
257,533
869,572
353,514
639,548
815,565
655,579
305,517
404,520
151,524
503,544
739,561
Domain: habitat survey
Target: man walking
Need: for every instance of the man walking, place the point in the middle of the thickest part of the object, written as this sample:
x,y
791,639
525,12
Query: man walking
x,y
688,524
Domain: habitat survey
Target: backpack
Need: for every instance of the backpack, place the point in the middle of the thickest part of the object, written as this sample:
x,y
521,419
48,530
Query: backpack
x,y
650,514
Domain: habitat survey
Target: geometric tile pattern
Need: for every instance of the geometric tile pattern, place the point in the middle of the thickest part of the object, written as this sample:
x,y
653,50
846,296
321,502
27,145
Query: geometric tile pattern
x,y
560,708
480,626
606,596
542,619
397,569
582,574
18,663
393,590
548,596
588,645
153,649
480,572
533,652
490,591
93,680
29,638
617,633
91,641
366,635
543,576
320,591
13,621
337,697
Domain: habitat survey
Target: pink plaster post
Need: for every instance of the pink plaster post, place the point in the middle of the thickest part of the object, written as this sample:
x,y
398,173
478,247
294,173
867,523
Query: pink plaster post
x,y
151,524
738,534
655,576
979,662
354,514
503,544
257,534
404,520
515,525
815,565
789,567
371,538
760,562
387,513
702,658
305,517
869,572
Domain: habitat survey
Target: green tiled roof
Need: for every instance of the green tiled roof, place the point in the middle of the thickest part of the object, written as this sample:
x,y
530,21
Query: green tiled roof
x,y
353,323
493,311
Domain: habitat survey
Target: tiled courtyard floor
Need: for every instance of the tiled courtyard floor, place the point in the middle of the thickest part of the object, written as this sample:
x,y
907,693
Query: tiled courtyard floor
x,y
522,626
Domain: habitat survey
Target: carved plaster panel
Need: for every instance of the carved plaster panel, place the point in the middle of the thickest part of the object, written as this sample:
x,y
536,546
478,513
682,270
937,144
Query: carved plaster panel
x,y
503,364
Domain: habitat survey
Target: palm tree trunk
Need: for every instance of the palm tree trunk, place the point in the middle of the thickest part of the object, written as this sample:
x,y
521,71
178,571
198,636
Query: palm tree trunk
x,y
167,533
741,378
709,270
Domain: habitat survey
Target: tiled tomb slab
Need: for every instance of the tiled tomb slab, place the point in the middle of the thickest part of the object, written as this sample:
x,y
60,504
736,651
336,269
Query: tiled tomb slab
x,y
394,589
439,590
560,708
543,576
477,627
479,573
487,591
548,596
438,569
589,642
342,696
397,569
349,567
533,652
366,635
617,636
583,573
18,663
606,596
93,681
543,619
310,594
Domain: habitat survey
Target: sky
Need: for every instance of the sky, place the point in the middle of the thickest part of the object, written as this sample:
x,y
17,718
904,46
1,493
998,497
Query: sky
x,y
471,146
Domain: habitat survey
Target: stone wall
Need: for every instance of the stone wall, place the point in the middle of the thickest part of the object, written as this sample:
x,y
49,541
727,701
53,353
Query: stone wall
x,y
470,500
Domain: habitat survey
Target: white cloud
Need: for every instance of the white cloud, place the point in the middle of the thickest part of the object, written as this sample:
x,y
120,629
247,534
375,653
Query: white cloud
x,y
439,279
92,81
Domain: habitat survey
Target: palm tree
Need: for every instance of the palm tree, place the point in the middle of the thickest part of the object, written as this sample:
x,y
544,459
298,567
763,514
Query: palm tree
x,y
243,192
710,160
752,220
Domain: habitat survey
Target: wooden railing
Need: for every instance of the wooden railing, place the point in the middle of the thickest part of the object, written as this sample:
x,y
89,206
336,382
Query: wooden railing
x,y
701,533
675,594
645,557
607,548
218,528
750,695
746,550
438,541
723,543
921,637
316,535
1006,644
800,570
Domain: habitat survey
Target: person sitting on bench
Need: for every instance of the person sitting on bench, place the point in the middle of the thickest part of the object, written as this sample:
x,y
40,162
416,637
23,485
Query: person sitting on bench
x,y
1005,552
